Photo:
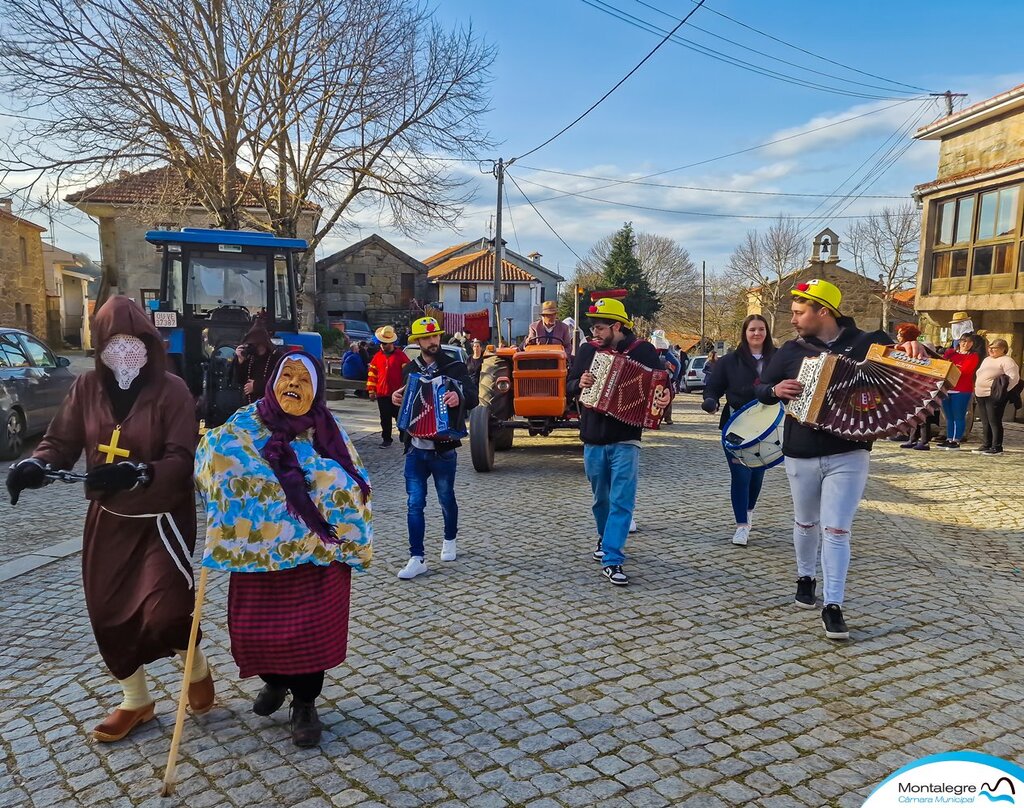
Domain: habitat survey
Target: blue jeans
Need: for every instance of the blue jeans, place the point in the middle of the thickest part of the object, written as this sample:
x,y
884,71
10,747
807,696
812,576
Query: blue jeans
x,y
419,465
955,407
612,470
745,488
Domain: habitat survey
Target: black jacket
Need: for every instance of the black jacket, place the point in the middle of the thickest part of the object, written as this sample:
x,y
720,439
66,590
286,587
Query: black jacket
x,y
596,427
453,369
734,376
800,440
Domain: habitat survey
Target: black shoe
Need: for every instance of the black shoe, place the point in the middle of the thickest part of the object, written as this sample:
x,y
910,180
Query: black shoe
x,y
832,620
306,727
995,450
615,574
943,444
805,597
983,450
599,552
386,443
269,700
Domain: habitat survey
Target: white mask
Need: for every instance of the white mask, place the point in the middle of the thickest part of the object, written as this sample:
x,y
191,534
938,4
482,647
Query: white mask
x,y
125,356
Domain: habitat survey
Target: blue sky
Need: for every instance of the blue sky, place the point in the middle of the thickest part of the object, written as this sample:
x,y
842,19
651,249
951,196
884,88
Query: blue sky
x,y
557,57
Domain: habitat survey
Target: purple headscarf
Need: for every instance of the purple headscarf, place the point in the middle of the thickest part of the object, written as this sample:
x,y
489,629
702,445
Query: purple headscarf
x,y
327,441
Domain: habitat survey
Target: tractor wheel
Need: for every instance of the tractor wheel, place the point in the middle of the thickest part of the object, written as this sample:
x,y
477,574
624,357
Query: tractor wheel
x,y
503,439
481,447
500,403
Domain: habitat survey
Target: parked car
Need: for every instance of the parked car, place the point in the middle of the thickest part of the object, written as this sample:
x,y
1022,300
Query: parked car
x,y
33,383
354,330
413,351
693,379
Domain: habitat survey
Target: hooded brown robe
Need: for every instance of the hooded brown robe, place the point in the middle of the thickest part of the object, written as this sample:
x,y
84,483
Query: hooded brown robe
x,y
137,549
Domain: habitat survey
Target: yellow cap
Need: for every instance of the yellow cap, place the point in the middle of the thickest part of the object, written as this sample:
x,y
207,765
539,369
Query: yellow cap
x,y
426,327
823,292
608,308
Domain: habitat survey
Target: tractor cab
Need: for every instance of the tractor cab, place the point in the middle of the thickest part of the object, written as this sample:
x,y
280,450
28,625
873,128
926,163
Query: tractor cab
x,y
214,286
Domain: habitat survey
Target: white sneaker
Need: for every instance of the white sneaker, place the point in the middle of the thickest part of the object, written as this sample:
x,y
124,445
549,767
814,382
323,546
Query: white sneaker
x,y
416,566
448,550
741,534
632,526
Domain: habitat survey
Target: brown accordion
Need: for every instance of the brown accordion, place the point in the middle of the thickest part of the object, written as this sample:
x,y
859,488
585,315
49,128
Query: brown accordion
x,y
625,390
889,393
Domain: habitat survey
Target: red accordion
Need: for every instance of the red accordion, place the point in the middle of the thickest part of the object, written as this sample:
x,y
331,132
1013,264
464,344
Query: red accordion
x,y
889,393
625,390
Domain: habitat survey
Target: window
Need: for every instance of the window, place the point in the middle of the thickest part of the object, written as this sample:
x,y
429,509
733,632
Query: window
x,y
997,213
359,278
508,293
334,281
29,324
993,260
964,215
408,288
282,289
947,214
969,225
23,248
147,296
17,314
467,292
37,352
11,354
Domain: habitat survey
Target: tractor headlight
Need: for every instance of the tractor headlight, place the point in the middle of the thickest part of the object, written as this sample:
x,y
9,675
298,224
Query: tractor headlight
x,y
503,384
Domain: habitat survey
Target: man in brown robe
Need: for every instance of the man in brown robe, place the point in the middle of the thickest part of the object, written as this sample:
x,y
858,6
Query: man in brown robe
x,y
136,424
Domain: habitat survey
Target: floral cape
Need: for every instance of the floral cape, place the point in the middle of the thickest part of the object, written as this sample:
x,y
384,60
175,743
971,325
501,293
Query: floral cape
x,y
248,527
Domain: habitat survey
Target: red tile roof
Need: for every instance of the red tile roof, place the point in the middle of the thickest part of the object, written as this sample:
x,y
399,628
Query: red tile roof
x,y
438,257
477,267
906,297
963,175
154,186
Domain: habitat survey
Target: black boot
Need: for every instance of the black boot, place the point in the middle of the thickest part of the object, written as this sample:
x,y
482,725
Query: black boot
x,y
306,727
269,700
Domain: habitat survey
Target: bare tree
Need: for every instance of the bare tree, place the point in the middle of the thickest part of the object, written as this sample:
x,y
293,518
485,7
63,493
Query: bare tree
x,y
763,260
669,270
885,247
345,104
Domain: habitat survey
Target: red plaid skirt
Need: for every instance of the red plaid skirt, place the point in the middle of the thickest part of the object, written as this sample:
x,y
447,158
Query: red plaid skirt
x,y
289,622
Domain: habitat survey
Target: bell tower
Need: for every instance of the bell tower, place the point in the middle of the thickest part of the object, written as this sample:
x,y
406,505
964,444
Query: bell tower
x,y
825,248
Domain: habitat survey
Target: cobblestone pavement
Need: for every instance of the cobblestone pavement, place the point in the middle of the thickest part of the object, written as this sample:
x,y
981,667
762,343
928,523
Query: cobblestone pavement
x,y
518,676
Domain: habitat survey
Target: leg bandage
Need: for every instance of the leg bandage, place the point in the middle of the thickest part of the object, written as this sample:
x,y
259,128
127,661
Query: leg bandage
x,y
136,692
199,667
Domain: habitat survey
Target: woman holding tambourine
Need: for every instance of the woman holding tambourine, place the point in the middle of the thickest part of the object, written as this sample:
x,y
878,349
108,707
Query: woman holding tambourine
x,y
734,376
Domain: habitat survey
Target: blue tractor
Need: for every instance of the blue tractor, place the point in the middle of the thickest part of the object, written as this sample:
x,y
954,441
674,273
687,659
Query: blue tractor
x,y
214,286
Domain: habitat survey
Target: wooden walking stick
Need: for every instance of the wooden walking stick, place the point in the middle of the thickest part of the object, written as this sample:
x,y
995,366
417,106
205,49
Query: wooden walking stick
x,y
179,721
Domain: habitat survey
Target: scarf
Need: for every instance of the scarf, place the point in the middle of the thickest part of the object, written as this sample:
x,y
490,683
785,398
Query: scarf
x,y
281,457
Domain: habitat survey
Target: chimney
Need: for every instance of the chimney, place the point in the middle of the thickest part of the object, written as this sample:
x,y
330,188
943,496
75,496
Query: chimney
x,y
535,257
6,204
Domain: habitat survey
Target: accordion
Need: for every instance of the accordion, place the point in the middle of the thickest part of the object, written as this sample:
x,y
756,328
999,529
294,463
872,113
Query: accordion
x,y
625,390
887,394
423,414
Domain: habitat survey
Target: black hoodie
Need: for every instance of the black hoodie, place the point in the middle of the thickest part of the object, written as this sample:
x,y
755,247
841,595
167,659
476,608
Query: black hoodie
x,y
454,369
800,440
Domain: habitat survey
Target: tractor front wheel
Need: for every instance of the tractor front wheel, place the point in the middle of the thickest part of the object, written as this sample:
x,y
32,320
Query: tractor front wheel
x,y
481,446
503,439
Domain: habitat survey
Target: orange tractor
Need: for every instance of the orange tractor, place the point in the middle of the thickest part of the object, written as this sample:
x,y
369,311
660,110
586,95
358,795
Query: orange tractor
x,y
519,390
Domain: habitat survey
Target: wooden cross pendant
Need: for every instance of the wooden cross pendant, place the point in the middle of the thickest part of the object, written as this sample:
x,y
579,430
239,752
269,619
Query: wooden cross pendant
x,y
111,449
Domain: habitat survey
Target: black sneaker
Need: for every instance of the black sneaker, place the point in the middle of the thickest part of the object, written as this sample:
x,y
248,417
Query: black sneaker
x,y
305,724
615,574
832,620
386,443
983,450
805,597
599,552
995,450
943,444
269,700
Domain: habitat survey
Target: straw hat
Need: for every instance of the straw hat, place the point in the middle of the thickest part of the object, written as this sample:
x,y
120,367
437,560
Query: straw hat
x,y
386,334
959,317
549,307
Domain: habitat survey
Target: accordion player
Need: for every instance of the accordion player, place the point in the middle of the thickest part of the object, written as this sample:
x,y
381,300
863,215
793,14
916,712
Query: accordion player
x,y
886,394
626,390
424,414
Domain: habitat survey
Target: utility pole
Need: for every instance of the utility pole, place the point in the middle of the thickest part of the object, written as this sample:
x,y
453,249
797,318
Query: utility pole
x,y
703,296
499,172
949,96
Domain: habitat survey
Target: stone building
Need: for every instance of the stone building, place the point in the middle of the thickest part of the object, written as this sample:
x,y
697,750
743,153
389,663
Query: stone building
x,y
530,264
862,297
971,256
22,279
133,204
67,292
371,280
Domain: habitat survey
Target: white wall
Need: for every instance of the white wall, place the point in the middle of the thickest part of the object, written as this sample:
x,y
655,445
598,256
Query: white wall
x,y
523,310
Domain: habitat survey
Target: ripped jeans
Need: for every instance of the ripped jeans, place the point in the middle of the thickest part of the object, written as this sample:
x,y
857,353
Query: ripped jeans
x,y
826,492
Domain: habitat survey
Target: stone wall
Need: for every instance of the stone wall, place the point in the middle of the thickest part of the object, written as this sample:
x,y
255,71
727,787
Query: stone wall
x,y
338,294
22,277
990,143
859,300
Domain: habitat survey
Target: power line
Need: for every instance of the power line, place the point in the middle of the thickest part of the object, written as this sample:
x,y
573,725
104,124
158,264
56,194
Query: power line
x,y
618,84
776,58
508,207
812,53
563,193
694,187
555,232
649,27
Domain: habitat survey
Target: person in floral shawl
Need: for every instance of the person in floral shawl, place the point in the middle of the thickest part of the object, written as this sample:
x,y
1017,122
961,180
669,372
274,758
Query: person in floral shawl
x,y
288,514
